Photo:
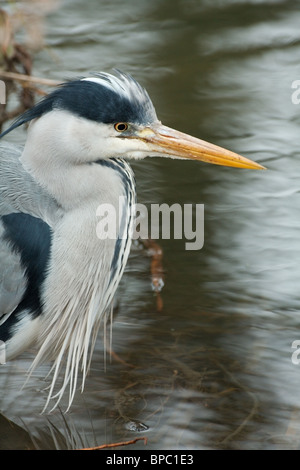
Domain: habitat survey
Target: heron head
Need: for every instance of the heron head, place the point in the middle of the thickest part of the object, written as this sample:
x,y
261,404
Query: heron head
x,y
108,116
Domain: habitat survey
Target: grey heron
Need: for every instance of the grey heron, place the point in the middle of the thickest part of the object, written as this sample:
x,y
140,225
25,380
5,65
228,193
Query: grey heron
x,y
57,278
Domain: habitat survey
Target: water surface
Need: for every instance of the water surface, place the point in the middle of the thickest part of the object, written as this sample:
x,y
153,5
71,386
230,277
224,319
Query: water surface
x,y
213,369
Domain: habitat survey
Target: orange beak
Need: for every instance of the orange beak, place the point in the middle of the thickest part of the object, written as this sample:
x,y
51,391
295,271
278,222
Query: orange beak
x,y
165,141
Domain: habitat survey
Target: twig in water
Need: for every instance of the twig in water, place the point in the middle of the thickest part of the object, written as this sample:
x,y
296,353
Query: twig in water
x,y
117,444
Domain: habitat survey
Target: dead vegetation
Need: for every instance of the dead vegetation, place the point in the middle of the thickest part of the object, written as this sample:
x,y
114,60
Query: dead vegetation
x,y
16,56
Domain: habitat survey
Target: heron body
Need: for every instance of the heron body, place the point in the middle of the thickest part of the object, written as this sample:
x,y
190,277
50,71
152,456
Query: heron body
x,y
57,276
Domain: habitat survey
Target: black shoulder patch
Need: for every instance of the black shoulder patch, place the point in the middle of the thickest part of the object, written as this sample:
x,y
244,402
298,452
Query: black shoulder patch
x,y
31,237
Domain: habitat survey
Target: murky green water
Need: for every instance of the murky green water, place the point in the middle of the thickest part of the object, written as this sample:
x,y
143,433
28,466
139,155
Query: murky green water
x,y
213,369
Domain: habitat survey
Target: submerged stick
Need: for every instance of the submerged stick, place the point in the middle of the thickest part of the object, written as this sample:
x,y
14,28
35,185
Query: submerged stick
x,y
117,444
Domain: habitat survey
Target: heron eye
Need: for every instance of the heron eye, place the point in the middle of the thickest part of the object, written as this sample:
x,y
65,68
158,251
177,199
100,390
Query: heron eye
x,y
121,126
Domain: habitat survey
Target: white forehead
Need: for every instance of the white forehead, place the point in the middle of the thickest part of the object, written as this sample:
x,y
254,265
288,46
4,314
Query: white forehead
x,y
122,84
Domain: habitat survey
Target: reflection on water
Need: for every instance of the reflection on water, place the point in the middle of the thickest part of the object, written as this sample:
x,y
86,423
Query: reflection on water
x,y
213,369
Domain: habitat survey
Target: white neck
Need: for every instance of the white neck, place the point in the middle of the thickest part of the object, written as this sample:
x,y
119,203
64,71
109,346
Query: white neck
x,y
54,157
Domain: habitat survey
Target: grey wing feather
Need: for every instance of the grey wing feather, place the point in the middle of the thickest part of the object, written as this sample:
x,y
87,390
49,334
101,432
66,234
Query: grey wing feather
x,y
19,192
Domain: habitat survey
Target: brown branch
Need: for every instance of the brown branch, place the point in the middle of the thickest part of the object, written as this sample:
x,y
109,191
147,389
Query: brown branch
x,y
28,78
117,444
